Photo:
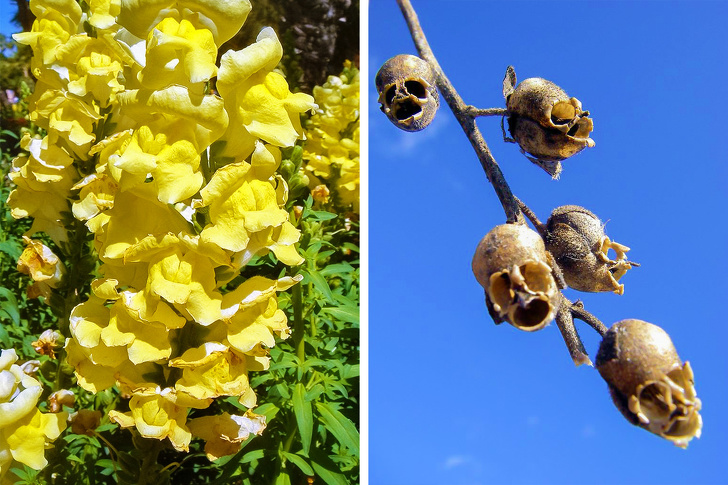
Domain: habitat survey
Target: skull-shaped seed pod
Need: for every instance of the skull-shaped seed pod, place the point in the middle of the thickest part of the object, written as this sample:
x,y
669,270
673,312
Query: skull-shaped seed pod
x,y
407,92
512,265
575,237
648,382
545,121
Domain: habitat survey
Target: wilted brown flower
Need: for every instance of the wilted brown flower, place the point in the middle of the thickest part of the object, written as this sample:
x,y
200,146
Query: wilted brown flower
x,y
320,194
61,398
576,239
407,92
512,265
48,341
85,421
648,382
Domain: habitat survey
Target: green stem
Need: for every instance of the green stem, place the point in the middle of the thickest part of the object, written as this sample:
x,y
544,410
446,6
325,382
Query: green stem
x,y
312,316
147,475
298,324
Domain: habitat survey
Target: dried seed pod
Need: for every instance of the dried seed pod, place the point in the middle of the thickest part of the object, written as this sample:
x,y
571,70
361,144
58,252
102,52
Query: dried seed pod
x,y
575,237
512,265
407,92
648,382
546,122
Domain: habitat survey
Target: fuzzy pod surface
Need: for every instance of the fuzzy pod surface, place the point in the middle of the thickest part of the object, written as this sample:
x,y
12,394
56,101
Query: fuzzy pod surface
x,y
576,239
648,382
547,123
516,272
407,92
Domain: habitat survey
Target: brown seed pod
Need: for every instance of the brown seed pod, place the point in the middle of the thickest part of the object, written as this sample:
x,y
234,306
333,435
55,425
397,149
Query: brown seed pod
x,y
512,265
648,382
546,122
575,237
407,92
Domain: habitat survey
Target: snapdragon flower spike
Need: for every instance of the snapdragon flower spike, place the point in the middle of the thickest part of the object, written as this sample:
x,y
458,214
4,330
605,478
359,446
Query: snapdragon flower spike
x,y
512,265
132,99
575,237
331,151
648,382
545,122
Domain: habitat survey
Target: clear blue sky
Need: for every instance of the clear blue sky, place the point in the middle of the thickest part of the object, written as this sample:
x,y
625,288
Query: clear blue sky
x,y
456,400
7,9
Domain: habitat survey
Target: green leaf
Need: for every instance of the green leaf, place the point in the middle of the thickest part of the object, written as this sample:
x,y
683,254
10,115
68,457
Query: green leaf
x,y
348,314
320,215
319,282
12,248
269,410
9,305
314,393
283,479
337,269
299,462
350,371
304,416
340,426
252,455
327,469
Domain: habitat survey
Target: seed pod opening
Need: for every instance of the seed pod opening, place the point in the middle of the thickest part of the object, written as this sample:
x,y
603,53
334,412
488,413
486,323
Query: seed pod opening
x,y
407,93
648,382
547,123
576,239
512,265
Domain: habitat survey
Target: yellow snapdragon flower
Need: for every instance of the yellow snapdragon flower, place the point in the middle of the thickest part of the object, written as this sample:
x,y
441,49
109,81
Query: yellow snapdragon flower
x,y
24,430
225,433
331,152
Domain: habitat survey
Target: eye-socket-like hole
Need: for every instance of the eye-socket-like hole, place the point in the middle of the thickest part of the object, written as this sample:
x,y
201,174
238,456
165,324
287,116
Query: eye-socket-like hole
x,y
562,113
389,95
573,130
538,277
500,290
415,88
533,314
653,401
406,109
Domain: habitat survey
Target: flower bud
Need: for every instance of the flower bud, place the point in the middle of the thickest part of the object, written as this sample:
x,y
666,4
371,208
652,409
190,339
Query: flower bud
x,y
575,237
648,382
546,122
407,92
512,265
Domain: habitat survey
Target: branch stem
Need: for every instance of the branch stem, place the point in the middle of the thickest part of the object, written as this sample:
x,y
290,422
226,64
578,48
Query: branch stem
x,y
463,115
578,311
565,322
475,112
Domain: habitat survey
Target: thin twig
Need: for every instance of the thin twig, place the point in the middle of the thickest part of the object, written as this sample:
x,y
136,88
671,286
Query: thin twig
x,y
565,322
460,110
475,112
540,227
578,311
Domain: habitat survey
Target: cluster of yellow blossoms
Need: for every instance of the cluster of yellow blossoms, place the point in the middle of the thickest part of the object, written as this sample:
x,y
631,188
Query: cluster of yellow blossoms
x,y
24,430
178,184
331,152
